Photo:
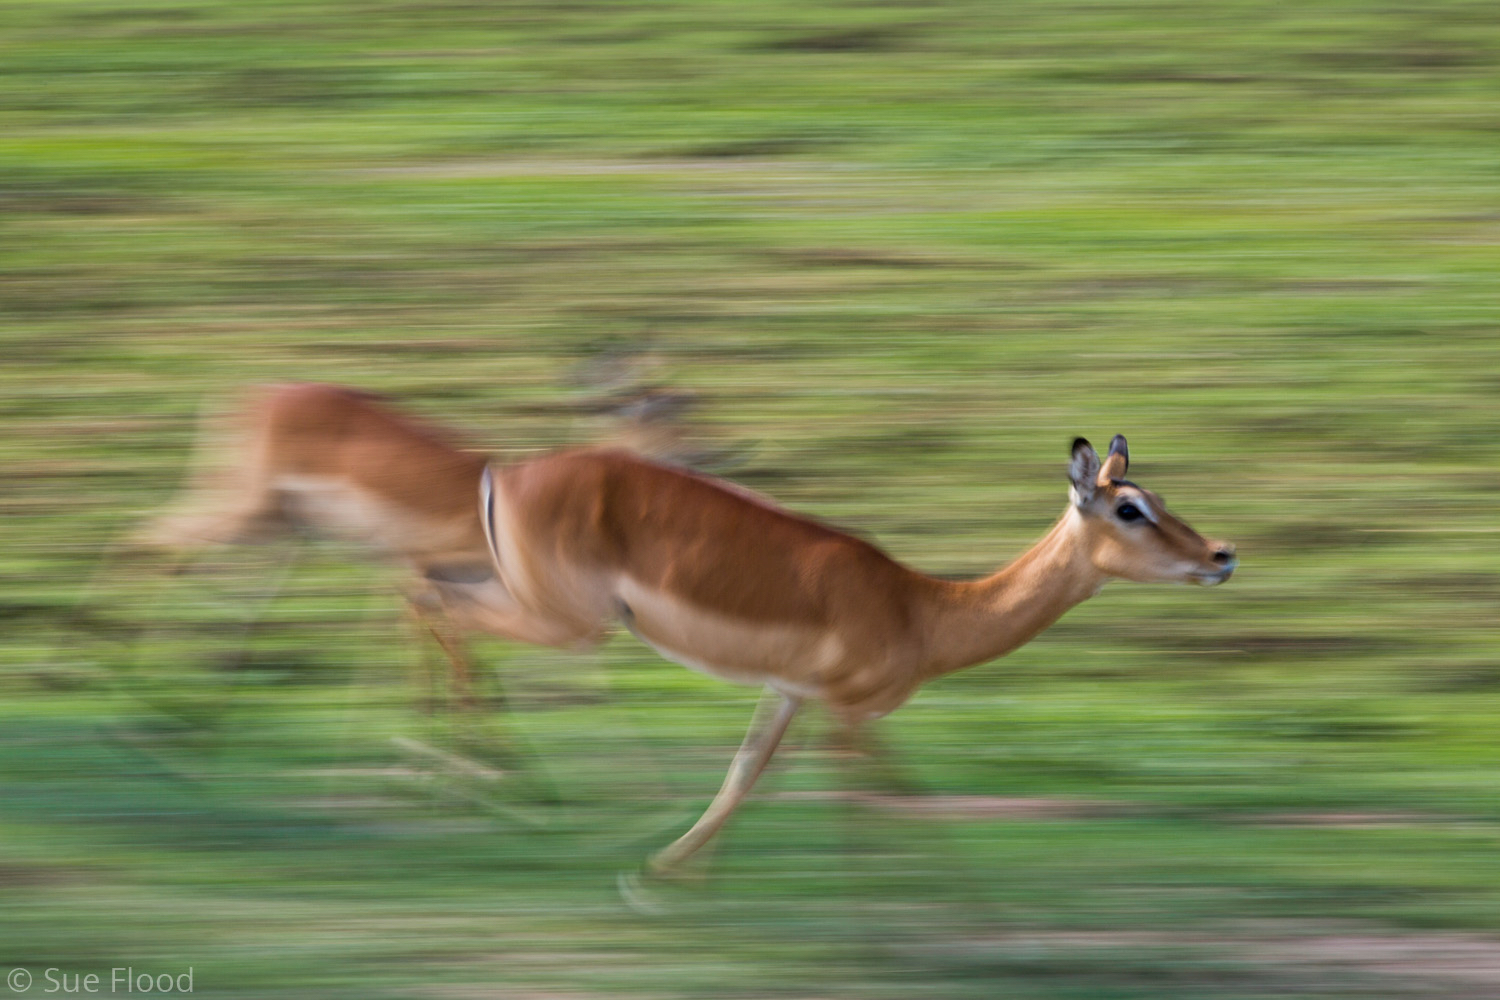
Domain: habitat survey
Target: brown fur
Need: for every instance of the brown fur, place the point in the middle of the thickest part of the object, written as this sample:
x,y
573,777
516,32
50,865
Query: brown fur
x,y
720,546
326,430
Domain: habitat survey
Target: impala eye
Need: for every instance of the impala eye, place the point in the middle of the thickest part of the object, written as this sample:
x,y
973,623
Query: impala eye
x,y
1128,512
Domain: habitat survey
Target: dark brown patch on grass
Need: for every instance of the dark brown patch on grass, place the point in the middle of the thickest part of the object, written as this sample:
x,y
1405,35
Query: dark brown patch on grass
x,y
866,39
851,257
1304,536
1416,56
1445,586
745,148
973,807
1456,678
21,876
1271,644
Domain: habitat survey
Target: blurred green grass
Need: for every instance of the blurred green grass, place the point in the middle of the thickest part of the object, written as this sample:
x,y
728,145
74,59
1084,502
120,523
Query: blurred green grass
x,y
909,251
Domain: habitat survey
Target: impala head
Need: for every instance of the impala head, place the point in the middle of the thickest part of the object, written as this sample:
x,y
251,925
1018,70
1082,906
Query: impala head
x,y
1127,529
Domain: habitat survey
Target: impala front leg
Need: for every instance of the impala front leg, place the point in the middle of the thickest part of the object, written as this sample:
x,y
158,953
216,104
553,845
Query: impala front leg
x,y
772,716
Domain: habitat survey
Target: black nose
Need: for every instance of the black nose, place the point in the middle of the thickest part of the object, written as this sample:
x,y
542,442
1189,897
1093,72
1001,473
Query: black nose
x,y
1223,554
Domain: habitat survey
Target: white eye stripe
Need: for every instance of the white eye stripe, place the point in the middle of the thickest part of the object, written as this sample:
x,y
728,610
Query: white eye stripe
x,y
1140,504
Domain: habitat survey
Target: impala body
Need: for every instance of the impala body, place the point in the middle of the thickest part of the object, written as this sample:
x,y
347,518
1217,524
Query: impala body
x,y
556,549
723,581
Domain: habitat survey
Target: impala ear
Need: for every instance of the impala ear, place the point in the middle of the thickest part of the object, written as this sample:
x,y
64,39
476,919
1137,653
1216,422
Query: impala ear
x,y
1083,472
1117,462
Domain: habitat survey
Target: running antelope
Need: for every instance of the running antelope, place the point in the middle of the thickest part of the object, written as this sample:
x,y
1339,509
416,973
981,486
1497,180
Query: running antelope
x,y
556,549
725,582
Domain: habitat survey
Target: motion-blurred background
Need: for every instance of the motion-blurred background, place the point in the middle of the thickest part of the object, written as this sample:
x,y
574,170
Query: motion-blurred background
x,y
884,260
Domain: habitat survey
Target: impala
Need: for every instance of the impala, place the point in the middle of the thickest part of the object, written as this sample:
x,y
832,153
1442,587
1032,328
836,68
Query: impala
x,y
556,549
725,582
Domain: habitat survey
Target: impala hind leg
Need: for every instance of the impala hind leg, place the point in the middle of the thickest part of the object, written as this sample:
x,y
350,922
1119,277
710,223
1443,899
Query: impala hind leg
x,y
882,770
421,669
772,717
889,814
445,620
461,669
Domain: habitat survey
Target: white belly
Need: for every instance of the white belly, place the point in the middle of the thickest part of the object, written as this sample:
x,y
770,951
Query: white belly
x,y
334,507
790,659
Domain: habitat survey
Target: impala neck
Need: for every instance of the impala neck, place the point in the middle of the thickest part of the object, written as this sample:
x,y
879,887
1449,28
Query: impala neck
x,y
973,621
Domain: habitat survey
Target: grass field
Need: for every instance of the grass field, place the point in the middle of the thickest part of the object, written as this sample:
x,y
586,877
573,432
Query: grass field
x,y
903,253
